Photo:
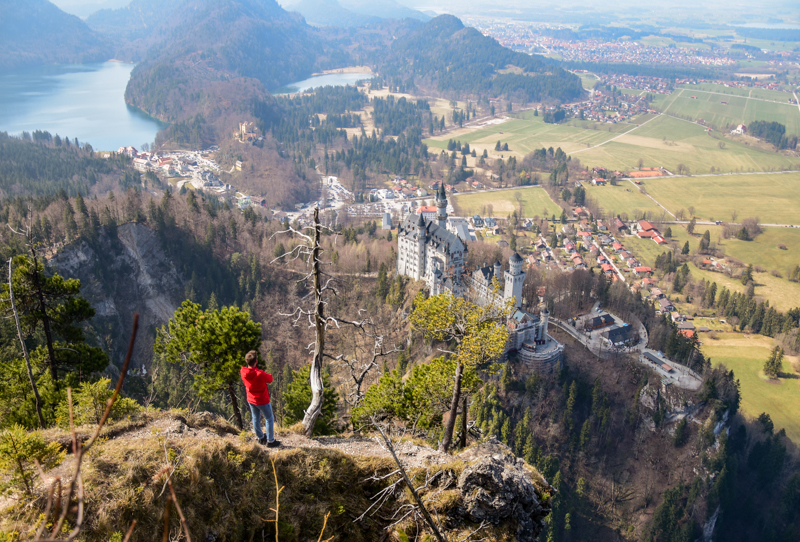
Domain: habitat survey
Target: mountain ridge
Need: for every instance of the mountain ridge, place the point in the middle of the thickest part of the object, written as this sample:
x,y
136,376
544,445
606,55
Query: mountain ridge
x,y
38,32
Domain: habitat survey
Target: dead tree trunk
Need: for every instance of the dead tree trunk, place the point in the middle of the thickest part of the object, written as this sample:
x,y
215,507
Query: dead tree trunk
x,y
447,439
315,376
463,442
24,348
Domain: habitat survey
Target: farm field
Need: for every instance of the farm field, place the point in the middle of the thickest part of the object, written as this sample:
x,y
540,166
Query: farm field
x,y
739,109
745,356
667,142
528,133
535,202
623,199
773,198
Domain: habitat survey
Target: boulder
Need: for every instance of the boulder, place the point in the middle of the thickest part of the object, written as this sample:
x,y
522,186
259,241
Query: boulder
x,y
497,486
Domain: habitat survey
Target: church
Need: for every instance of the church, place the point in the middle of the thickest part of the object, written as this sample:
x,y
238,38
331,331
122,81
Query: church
x,y
427,251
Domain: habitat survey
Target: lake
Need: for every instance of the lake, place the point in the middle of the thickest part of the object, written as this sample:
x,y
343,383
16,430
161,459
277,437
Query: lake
x,y
324,80
86,101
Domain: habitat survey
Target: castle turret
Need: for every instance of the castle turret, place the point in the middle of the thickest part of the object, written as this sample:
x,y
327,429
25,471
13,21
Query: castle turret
x,y
420,274
441,206
513,280
498,270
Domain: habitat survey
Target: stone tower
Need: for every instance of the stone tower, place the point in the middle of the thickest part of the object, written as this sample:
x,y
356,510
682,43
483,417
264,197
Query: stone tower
x,y
514,279
441,206
420,248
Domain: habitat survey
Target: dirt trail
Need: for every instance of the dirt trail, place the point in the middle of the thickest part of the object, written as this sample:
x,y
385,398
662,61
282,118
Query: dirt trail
x,y
206,426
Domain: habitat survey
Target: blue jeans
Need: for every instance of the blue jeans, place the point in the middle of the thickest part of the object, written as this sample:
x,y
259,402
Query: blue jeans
x,y
256,411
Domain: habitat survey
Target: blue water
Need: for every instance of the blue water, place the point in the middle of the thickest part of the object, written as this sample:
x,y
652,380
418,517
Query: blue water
x,y
328,79
85,101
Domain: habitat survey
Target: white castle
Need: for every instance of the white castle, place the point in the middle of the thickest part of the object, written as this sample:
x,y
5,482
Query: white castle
x,y
428,251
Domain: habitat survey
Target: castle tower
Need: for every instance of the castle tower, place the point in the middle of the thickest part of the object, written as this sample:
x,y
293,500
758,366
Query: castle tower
x,y
498,270
514,279
441,206
420,248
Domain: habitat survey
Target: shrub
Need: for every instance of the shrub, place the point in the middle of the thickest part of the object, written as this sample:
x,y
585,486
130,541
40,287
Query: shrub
x,y
89,403
18,452
297,397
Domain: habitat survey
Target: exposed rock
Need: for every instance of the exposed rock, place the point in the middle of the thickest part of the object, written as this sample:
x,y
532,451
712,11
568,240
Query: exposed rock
x,y
120,276
496,486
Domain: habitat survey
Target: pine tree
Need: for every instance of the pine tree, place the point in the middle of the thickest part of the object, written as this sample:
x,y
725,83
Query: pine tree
x,y
686,248
383,283
747,276
505,432
585,434
529,451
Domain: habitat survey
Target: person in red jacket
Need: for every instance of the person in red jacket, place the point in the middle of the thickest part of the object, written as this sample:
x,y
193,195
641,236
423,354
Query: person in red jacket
x,y
255,382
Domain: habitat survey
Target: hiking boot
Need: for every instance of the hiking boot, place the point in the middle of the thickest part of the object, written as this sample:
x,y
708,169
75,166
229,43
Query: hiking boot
x,y
262,441
273,444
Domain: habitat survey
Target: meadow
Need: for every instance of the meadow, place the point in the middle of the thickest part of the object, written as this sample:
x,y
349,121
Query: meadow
x,y
663,141
526,133
745,356
773,198
622,200
742,106
535,202
668,142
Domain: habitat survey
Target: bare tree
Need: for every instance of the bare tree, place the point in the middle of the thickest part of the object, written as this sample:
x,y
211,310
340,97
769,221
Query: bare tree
x,y
24,346
311,251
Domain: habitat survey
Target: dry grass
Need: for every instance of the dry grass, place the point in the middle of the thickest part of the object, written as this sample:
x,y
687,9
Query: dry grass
x,y
226,487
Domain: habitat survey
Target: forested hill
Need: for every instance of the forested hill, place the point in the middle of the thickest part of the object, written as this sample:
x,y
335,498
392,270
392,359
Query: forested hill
x,y
134,21
37,32
445,55
211,60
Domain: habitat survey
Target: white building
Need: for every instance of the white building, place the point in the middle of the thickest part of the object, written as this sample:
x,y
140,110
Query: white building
x,y
428,251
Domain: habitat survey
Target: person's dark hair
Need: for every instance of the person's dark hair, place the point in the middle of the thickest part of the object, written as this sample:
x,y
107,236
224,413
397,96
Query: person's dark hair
x,y
251,358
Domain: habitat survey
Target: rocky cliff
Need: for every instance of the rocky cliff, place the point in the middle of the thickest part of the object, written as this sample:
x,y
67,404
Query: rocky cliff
x,y
121,275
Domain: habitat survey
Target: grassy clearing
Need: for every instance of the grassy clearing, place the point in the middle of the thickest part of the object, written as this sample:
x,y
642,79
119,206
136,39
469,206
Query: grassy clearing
x,y
622,199
745,355
527,133
668,141
743,106
773,198
535,202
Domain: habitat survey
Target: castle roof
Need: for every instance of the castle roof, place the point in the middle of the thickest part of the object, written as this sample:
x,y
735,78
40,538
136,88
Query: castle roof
x,y
516,257
435,235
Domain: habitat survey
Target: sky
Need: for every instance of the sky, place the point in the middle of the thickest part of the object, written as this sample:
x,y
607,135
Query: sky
x,y
787,10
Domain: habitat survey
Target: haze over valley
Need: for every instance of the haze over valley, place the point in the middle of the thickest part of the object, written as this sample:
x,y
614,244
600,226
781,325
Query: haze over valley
x,y
524,271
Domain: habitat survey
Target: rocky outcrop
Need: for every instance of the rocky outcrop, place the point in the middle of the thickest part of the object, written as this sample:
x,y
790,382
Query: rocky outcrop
x,y
122,275
497,486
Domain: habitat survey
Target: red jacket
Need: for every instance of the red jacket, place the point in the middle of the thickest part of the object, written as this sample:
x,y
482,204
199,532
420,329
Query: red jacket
x,y
255,382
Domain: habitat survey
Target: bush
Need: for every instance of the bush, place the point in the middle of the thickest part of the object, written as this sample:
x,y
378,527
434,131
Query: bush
x,y
18,452
298,395
89,403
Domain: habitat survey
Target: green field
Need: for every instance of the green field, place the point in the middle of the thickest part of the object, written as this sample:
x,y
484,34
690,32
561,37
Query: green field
x,y
745,355
667,142
527,133
623,199
743,106
535,202
663,141
774,198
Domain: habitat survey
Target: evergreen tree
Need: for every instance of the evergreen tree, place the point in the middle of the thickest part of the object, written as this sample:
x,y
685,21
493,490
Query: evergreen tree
x,y
747,276
686,248
214,342
297,397
383,283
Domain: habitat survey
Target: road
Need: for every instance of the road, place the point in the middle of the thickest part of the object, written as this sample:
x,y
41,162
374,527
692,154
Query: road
x,y
603,252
